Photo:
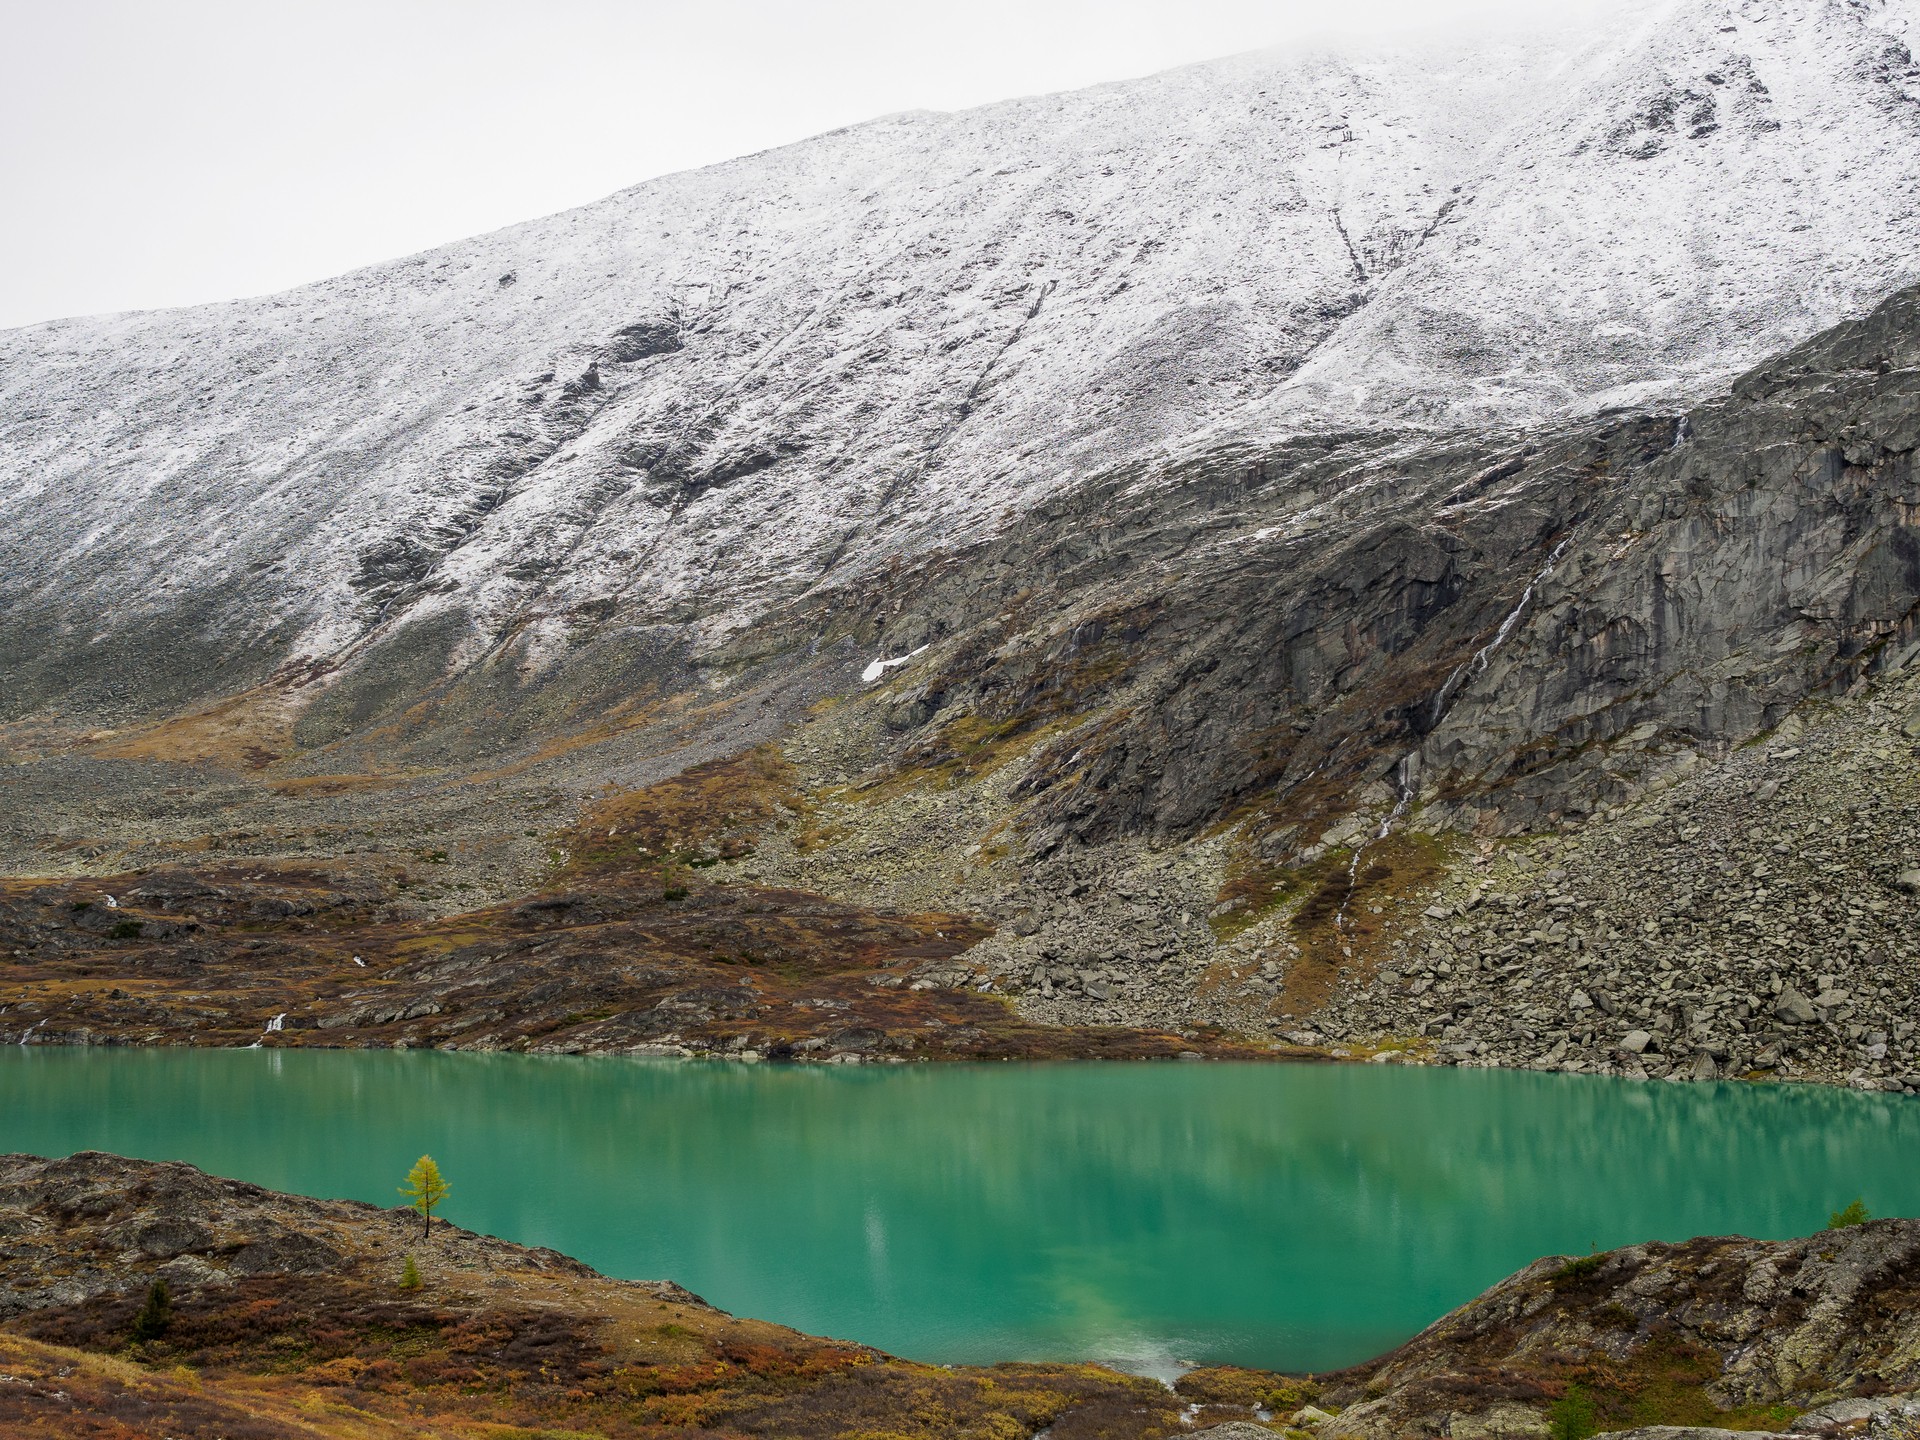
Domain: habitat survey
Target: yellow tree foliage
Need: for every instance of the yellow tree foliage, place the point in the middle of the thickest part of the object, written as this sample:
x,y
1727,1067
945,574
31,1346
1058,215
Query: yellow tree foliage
x,y
425,1189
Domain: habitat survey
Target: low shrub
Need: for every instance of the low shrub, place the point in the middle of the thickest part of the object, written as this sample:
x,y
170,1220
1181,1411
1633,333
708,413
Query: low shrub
x,y
155,1316
1854,1214
1572,1416
1574,1271
1229,1385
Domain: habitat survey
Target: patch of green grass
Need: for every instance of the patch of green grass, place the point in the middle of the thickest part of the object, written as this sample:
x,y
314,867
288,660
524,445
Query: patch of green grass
x,y
126,930
1664,1383
1572,1416
1256,894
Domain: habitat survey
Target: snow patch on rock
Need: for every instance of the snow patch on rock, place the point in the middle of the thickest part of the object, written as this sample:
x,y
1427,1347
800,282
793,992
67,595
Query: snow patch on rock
x,y
880,667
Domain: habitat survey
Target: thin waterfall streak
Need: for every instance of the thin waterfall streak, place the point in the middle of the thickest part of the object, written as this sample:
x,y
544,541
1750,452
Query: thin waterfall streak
x,y
1454,682
1353,874
1474,666
1404,774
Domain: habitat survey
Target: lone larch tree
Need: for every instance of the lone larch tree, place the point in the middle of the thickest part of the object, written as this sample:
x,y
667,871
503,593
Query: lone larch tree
x,y
425,1188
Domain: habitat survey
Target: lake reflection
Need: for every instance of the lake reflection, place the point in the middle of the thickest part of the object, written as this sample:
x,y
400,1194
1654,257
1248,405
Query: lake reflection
x,y
1302,1217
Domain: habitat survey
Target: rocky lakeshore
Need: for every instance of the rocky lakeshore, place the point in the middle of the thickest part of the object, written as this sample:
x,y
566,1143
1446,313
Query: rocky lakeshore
x,y
1757,918
1717,1335
1348,555
292,1317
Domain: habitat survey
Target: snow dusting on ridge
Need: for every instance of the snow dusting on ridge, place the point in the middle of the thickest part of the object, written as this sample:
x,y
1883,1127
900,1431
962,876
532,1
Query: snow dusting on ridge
x,y
723,387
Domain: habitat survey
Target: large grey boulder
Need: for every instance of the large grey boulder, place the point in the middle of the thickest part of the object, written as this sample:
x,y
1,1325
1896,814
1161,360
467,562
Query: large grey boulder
x,y
1793,1007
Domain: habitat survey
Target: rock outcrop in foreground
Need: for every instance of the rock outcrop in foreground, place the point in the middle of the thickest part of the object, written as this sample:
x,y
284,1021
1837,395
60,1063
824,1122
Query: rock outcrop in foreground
x,y
1716,1332
289,1319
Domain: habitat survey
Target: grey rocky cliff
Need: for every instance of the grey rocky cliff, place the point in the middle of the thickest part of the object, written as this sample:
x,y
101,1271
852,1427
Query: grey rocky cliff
x,y
1294,618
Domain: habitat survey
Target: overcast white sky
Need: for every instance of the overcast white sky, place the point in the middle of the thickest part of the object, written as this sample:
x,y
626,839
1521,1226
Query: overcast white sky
x,y
161,152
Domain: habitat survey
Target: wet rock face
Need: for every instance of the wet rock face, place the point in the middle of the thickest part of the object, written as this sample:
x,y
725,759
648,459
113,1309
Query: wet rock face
x,y
1770,555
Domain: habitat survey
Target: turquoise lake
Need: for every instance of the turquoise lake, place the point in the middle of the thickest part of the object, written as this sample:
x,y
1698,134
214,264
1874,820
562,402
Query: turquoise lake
x,y
1295,1216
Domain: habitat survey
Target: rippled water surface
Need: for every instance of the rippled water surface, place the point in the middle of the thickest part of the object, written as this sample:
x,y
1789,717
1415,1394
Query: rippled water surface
x,y
1302,1217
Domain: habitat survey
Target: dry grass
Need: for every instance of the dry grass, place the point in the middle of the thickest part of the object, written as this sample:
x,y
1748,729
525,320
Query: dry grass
x,y
324,1356
248,731
708,812
584,964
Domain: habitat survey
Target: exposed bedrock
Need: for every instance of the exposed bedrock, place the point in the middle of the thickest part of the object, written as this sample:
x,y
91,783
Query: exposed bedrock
x,y
1274,632
1758,1330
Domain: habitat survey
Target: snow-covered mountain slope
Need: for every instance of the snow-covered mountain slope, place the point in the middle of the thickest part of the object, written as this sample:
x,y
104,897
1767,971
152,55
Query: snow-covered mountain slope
x,y
725,387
